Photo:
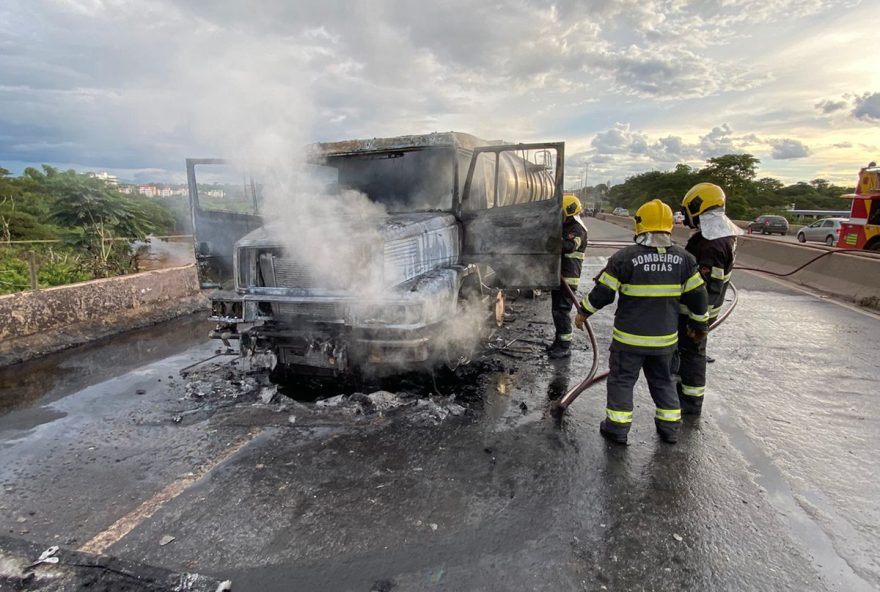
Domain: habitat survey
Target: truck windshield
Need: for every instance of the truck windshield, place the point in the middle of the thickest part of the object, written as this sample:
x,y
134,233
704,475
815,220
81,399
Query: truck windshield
x,y
225,188
403,181
874,215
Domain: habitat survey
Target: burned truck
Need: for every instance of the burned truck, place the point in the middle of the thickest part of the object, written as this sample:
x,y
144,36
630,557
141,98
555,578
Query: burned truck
x,y
462,220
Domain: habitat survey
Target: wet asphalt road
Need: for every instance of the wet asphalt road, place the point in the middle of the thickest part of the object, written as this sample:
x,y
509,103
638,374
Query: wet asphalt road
x,y
774,488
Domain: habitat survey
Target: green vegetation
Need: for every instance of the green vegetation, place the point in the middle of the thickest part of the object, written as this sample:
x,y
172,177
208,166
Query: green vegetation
x,y
93,221
747,196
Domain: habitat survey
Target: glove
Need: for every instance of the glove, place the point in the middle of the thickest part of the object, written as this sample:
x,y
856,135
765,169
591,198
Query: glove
x,y
580,320
696,335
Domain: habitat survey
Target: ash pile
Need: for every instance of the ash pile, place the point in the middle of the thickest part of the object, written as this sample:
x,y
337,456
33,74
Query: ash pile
x,y
219,385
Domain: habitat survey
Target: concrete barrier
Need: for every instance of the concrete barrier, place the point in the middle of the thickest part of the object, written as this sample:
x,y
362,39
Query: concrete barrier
x,y
851,275
37,322
845,274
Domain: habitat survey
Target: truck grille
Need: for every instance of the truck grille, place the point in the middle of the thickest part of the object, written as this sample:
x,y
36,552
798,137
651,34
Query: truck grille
x,y
324,311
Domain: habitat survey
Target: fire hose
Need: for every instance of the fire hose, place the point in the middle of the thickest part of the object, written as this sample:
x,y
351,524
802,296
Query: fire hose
x,y
592,377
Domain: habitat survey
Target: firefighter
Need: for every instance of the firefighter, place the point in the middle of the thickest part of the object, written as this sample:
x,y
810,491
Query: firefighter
x,y
574,241
651,277
714,247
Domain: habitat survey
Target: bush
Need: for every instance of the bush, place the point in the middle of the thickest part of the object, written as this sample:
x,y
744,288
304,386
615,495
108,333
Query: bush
x,y
56,266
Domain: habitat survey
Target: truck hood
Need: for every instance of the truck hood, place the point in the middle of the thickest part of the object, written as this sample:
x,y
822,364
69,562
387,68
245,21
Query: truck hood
x,y
388,252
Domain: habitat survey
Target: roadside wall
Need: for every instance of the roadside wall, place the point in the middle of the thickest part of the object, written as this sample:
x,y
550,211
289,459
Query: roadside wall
x,y
37,322
849,275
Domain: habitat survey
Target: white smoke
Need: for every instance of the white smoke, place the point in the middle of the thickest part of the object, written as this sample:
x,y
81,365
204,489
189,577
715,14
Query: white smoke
x,y
254,105
253,102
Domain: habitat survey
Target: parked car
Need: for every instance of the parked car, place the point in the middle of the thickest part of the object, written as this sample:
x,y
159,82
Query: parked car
x,y
826,230
678,218
620,212
768,224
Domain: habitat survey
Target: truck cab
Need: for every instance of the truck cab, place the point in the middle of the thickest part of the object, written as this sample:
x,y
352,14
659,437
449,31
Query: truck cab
x,y
407,271
862,230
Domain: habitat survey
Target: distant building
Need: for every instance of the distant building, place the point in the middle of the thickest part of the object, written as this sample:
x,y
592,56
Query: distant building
x,y
106,177
148,190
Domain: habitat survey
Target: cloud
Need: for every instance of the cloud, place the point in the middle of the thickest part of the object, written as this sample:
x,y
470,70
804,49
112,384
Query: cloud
x,y
672,149
135,84
864,107
785,148
717,142
619,140
621,151
672,72
828,106
867,107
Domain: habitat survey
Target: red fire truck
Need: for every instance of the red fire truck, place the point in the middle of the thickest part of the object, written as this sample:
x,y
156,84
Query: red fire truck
x,y
862,230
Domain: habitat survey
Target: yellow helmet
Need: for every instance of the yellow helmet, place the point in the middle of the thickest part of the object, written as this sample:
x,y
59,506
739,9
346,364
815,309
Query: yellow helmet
x,y
701,197
654,216
571,205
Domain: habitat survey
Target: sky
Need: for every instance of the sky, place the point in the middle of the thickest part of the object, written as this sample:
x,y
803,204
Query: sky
x,y
136,86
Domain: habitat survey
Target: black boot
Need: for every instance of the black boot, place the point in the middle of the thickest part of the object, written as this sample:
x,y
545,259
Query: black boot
x,y
667,435
561,349
609,434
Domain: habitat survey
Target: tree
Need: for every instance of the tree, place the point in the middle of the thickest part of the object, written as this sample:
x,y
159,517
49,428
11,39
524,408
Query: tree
x,y
734,172
768,185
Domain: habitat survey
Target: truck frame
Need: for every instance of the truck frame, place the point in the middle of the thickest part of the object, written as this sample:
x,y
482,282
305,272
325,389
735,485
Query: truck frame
x,y
496,224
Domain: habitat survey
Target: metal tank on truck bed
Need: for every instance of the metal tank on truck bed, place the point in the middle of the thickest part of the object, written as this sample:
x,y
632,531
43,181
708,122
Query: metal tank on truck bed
x,y
449,222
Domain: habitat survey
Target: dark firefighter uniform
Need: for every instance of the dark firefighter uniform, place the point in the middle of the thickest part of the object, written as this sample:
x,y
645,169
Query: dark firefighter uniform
x,y
715,259
574,243
650,283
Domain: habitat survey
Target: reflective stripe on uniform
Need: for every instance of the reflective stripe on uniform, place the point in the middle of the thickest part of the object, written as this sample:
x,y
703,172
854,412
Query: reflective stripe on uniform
x,y
651,290
573,281
619,416
645,340
585,304
693,391
703,318
577,242
574,255
668,414
713,311
565,336
683,309
609,280
718,274
694,282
